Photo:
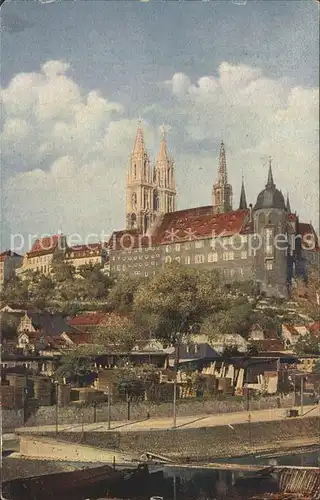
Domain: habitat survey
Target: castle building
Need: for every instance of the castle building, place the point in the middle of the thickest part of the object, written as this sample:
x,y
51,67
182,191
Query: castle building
x,y
265,243
150,191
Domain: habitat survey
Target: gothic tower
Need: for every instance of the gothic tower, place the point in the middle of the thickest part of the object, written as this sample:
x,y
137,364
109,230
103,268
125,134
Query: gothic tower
x,y
148,194
139,187
269,250
164,194
222,191
243,198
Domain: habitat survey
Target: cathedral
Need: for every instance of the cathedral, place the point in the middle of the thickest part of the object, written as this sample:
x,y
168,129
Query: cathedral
x,y
265,242
150,191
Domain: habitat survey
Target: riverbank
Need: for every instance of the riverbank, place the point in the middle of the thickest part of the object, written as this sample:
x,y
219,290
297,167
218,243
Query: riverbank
x,y
196,439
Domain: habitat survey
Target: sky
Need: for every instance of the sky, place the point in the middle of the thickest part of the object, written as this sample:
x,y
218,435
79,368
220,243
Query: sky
x,y
76,77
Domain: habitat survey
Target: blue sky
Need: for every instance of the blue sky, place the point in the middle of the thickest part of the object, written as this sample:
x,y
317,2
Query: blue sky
x,y
209,70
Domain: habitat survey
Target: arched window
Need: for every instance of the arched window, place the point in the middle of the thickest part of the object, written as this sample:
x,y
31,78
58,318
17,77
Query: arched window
x,y
134,170
134,200
133,221
155,201
145,223
146,200
145,169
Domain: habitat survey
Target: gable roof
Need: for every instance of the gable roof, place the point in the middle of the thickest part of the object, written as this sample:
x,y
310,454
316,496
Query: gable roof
x,y
84,250
45,245
129,239
200,222
49,324
90,319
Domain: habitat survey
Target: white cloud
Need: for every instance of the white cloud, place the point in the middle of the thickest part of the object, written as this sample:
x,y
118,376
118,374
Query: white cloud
x,y
67,150
257,116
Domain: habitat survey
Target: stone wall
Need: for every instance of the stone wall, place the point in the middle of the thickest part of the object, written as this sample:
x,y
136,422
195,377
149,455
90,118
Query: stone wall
x,y
75,414
205,443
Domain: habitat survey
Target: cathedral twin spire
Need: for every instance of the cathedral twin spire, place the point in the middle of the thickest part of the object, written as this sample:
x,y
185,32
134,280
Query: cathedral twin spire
x,y
149,195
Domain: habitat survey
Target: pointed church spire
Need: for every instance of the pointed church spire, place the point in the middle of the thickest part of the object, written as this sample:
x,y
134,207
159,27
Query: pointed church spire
x,y
243,199
222,175
288,207
139,146
163,154
270,182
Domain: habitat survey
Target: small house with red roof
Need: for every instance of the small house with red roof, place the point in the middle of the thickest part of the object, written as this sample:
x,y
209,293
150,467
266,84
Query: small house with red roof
x,y
9,262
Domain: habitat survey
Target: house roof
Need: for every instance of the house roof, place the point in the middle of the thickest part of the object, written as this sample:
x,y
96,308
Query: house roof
x,y
80,338
49,324
305,229
7,254
44,245
198,223
82,250
91,319
129,239
269,345
292,329
315,327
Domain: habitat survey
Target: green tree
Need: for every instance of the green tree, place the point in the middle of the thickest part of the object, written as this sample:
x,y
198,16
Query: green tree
x,y
77,363
8,325
176,299
308,344
307,295
122,294
61,270
118,333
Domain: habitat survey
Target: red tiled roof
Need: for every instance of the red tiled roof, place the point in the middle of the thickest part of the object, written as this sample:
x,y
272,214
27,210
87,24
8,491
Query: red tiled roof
x,y
291,329
305,229
315,327
46,245
80,338
91,319
201,223
269,345
89,247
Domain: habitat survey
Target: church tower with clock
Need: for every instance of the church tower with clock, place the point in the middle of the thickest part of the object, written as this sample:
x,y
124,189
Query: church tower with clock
x,y
149,192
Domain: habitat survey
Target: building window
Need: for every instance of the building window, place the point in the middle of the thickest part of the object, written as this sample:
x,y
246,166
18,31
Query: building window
x,y
269,265
167,248
268,237
244,255
199,244
187,259
241,271
226,273
228,255
199,258
177,247
232,273
177,259
212,257
168,259
187,246
118,268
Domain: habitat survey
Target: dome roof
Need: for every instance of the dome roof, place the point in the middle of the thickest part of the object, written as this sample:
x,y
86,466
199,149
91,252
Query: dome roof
x,y
270,197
